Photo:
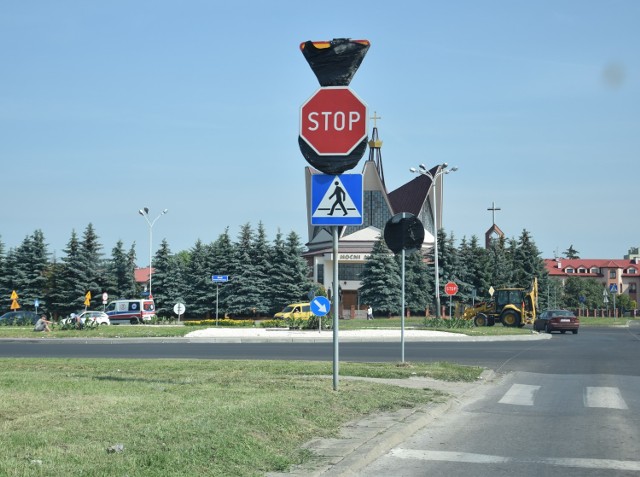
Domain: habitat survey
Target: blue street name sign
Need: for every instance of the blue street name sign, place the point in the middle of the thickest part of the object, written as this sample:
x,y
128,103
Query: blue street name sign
x,y
320,306
336,200
220,278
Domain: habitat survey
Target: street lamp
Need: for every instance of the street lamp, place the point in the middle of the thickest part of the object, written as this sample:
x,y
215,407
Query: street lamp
x,y
145,213
442,169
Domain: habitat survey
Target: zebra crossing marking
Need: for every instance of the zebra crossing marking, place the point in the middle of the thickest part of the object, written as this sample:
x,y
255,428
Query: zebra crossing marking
x,y
606,397
520,395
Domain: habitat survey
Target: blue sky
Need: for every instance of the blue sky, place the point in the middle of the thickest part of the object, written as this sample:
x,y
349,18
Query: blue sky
x,y
108,107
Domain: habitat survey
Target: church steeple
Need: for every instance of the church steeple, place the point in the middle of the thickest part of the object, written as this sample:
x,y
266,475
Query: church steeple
x,y
375,145
494,231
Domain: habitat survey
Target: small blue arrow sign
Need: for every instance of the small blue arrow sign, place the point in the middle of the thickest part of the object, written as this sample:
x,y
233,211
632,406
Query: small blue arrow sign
x,y
320,306
220,278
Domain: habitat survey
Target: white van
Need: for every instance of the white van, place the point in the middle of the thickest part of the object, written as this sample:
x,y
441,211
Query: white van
x,y
130,311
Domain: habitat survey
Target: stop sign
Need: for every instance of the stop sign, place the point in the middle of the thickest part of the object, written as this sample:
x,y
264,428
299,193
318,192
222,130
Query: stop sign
x,y
333,121
451,288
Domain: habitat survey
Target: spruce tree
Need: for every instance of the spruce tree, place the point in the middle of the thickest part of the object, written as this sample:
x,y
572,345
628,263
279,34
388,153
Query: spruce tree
x,y
381,282
38,264
571,253
161,280
73,278
54,291
201,294
221,260
91,258
119,279
528,265
130,287
281,285
476,272
4,276
260,255
418,285
243,296
299,270
499,264
290,272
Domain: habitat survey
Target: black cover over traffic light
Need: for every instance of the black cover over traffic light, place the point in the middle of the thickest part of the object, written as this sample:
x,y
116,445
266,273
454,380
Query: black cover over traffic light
x,y
403,231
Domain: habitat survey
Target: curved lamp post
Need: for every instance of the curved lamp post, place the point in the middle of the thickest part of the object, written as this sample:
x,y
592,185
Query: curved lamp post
x,y
442,169
145,213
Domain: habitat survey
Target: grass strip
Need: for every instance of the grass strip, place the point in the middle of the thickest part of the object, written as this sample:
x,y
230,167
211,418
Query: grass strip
x,y
185,417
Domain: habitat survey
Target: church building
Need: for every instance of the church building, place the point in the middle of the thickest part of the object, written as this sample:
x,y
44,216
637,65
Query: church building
x,y
379,205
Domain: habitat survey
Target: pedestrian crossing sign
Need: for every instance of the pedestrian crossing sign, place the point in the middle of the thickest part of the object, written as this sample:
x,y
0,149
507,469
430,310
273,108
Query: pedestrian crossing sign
x,y
336,199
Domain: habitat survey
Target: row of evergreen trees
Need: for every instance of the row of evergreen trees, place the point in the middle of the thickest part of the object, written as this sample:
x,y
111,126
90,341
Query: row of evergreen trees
x,y
265,276
506,263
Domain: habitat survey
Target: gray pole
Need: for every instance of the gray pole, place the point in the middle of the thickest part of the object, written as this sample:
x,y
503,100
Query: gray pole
x,y
336,314
435,242
217,285
402,312
150,255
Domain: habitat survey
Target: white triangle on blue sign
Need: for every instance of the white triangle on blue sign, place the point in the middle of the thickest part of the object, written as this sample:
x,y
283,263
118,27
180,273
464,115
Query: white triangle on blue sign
x,y
336,202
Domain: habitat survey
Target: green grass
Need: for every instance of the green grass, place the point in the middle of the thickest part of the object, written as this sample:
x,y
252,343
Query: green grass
x,y
178,330
185,417
590,321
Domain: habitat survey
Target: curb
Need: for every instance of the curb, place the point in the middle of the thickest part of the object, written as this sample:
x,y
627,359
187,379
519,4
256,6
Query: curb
x,y
373,436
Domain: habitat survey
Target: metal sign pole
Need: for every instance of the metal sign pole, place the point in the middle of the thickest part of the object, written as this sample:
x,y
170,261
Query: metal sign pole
x,y
217,286
336,300
402,312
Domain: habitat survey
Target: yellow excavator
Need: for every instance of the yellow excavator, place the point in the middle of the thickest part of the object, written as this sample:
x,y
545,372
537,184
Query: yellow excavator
x,y
509,306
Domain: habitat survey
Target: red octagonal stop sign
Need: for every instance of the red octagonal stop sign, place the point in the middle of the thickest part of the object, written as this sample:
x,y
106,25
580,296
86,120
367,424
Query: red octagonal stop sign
x,y
333,121
451,288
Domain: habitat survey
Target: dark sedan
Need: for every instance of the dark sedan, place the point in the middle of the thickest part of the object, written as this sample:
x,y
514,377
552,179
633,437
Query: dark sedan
x,y
19,318
557,320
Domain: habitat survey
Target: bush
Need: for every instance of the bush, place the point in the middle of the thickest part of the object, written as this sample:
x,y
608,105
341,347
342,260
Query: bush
x,y
448,324
22,321
227,322
325,321
272,324
162,320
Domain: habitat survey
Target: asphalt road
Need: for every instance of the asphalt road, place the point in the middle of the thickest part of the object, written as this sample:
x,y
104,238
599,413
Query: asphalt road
x,y
592,351
569,407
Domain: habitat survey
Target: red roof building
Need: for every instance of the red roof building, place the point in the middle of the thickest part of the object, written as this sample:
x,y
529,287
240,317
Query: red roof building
x,y
623,273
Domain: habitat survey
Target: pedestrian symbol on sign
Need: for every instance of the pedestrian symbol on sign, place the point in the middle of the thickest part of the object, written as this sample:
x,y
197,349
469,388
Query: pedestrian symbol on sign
x,y
336,200
339,194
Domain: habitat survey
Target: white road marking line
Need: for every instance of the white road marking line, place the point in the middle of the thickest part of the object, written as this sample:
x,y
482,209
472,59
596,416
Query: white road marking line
x,y
470,458
604,397
520,395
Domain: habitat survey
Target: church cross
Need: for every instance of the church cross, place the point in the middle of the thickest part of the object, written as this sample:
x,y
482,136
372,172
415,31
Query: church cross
x,y
375,117
493,209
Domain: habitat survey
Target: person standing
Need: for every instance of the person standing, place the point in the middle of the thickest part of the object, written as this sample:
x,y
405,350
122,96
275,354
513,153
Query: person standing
x,y
369,313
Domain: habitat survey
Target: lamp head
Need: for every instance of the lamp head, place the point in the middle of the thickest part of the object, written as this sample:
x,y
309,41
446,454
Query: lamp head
x,y
413,169
423,167
454,168
141,212
165,211
146,210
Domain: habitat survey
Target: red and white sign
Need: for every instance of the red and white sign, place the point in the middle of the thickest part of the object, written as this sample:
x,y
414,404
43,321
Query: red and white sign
x,y
333,121
451,288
